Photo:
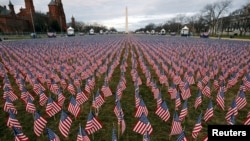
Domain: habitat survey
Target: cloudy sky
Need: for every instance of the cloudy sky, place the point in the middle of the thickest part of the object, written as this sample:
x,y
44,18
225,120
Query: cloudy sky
x,y
111,13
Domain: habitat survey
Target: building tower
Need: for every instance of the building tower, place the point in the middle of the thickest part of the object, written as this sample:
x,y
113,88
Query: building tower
x,y
12,10
29,6
56,13
126,20
73,23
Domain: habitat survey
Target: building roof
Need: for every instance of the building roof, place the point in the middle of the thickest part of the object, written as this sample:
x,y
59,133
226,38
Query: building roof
x,y
52,2
4,10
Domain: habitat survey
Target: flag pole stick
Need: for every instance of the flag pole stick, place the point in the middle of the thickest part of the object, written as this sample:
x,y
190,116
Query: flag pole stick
x,y
118,128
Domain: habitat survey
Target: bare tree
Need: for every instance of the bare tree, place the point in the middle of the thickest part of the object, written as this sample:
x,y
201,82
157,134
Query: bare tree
x,y
212,12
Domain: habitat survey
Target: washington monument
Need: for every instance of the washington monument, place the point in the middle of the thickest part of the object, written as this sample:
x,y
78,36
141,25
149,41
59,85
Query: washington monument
x,y
126,21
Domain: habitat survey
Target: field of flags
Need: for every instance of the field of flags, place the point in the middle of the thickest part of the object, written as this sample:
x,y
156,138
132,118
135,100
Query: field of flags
x,y
122,88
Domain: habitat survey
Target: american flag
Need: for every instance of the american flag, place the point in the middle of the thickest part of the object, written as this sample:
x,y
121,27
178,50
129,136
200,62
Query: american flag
x,y
106,90
198,100
8,92
247,121
52,107
87,88
119,91
37,86
137,97
54,87
177,79
206,78
146,137
82,136
71,88
39,124
177,101
231,120
143,125
121,122
190,78
65,124
118,108
216,84
246,80
30,106
12,121
25,94
206,90
91,81
163,78
159,99
98,100
176,127
200,85
205,138
182,137
8,105
209,112
155,90
93,124
241,101
232,110
141,109
80,96
163,112
114,137
172,91
42,98
184,111
52,136
220,99
63,83
186,92
232,80
74,107
60,98
197,128
19,135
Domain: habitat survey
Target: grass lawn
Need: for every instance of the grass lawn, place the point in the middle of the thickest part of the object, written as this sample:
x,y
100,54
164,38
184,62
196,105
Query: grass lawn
x,y
119,45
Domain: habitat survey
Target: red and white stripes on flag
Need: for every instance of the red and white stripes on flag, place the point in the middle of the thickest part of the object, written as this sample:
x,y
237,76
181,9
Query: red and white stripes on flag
x,y
19,135
80,96
176,127
30,106
93,124
52,107
197,128
241,101
198,100
141,109
74,107
209,112
64,124
247,120
39,124
143,125
82,136
163,112
12,121
8,105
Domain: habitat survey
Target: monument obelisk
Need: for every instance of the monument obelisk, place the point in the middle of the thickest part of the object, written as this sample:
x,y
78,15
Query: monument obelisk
x,y
126,21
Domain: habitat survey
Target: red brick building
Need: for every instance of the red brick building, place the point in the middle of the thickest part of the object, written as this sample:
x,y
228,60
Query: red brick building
x,y
23,21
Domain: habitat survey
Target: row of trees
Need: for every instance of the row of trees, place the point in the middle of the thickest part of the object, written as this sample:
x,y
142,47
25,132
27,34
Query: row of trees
x,y
83,27
215,18
42,24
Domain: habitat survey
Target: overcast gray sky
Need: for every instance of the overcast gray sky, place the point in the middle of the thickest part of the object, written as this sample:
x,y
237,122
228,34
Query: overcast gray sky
x,y
111,13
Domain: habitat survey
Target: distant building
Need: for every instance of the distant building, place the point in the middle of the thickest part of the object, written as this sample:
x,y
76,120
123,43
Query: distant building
x,y
23,20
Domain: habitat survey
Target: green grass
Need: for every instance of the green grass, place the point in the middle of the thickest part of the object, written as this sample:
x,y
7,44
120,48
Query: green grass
x,y
106,115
